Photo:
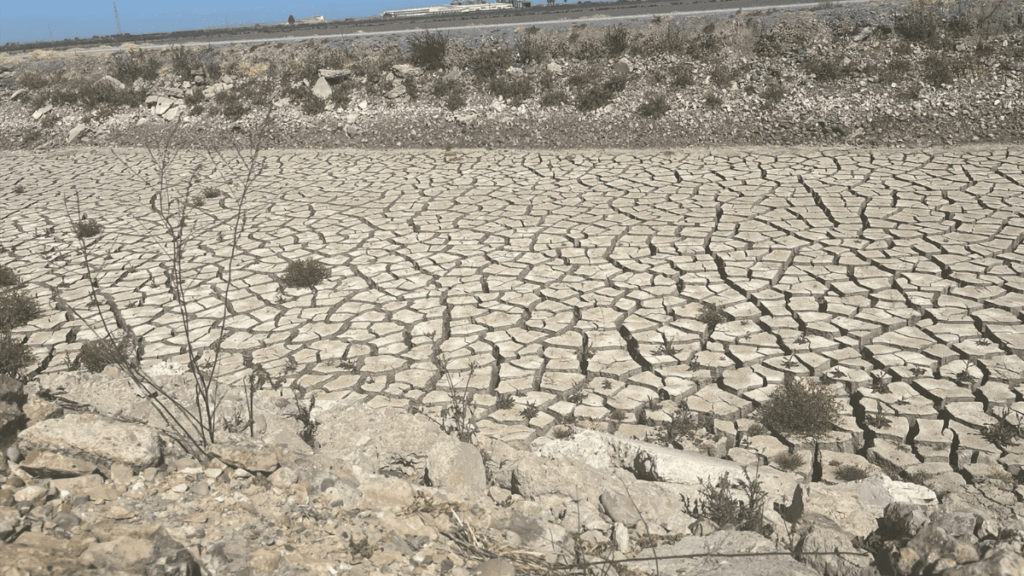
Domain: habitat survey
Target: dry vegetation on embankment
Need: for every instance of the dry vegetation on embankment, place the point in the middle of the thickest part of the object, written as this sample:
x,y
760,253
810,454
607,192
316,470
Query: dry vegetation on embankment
x,y
918,73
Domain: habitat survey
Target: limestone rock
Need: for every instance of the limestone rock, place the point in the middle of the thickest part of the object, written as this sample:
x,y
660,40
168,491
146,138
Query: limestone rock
x,y
933,543
37,410
322,89
457,467
395,443
41,112
12,399
247,455
406,70
820,534
77,132
163,104
857,506
103,441
620,509
1000,563
335,75
283,478
902,520
110,81
50,465
34,494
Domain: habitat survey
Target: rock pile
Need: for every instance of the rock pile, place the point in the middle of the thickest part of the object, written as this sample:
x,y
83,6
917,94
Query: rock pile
x,y
385,491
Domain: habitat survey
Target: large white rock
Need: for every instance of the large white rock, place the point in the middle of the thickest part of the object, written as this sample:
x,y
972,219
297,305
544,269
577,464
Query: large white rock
x,y
322,89
97,439
857,506
398,444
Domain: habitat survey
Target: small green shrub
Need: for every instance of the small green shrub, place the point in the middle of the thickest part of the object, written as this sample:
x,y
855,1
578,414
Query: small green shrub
x,y
134,64
8,277
14,355
593,98
717,504
723,76
530,411
19,189
488,64
918,21
683,425
231,105
827,68
194,98
654,106
757,429
681,75
562,432
40,79
706,44
618,415
312,105
554,98
304,415
428,49
95,355
789,461
530,49
918,477
197,201
773,94
800,408
456,100
412,89
183,61
600,95
515,91
210,192
303,97
586,77
616,40
712,315
895,70
305,273
451,91
938,70
87,228
850,473
713,101
341,95
1005,433
49,121
505,402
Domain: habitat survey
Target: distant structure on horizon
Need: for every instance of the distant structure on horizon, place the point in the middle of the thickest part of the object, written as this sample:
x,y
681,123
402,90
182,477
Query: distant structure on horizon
x,y
460,6
310,20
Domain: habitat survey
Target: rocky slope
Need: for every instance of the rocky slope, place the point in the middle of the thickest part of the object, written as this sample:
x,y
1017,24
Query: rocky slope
x,y
382,491
846,76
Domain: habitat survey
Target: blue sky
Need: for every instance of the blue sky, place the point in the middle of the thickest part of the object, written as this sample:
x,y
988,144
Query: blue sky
x,y
37,20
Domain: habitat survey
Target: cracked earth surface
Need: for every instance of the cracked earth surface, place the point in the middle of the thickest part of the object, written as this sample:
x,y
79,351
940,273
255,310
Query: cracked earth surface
x,y
574,282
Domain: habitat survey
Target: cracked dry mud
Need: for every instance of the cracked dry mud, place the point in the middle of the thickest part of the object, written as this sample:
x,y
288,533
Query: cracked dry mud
x,y
580,276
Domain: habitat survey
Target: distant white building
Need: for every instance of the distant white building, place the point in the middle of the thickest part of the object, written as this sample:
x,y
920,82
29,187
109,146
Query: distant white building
x,y
455,6
311,20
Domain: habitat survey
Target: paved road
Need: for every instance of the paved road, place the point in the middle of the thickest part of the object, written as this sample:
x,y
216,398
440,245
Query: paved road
x,y
575,282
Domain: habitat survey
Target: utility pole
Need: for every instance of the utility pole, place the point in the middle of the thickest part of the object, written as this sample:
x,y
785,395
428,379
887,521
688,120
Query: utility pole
x,y
117,19
50,30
